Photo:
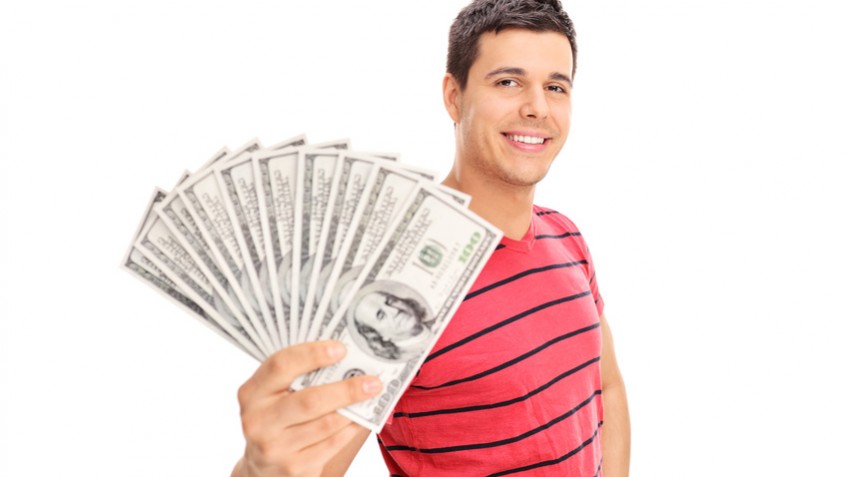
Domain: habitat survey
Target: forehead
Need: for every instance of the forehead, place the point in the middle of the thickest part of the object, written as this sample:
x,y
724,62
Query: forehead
x,y
543,52
373,300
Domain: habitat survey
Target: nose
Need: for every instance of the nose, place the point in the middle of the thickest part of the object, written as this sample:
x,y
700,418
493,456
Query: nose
x,y
535,104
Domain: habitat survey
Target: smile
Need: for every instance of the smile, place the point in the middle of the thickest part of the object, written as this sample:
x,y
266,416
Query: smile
x,y
525,139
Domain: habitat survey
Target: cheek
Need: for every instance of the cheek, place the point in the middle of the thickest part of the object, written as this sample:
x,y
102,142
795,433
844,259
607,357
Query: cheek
x,y
483,126
563,121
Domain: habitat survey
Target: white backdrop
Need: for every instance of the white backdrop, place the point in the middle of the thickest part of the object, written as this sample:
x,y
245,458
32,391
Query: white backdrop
x,y
704,167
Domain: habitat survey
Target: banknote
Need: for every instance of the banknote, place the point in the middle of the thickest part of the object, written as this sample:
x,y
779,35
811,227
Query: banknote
x,y
355,178
387,189
276,182
186,237
236,178
270,247
320,185
294,141
186,234
204,200
277,178
410,288
330,173
221,155
163,255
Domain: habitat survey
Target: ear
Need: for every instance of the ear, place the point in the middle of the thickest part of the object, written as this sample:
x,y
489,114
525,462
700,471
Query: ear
x,y
451,95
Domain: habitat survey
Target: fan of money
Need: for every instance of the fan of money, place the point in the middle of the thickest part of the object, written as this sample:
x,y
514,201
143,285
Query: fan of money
x,y
273,246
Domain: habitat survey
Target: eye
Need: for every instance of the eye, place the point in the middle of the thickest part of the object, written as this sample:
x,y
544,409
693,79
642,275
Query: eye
x,y
557,89
380,315
508,82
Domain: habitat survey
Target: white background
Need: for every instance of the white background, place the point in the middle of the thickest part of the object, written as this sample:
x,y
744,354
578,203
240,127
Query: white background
x,y
705,168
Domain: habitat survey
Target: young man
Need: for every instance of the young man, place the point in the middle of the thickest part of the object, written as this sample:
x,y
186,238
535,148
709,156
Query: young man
x,y
524,379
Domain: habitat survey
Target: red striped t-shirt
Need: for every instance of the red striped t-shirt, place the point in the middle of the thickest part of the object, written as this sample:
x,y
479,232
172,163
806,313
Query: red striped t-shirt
x,y
513,385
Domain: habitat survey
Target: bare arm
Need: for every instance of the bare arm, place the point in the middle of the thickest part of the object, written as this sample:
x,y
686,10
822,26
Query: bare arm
x,y
615,436
297,433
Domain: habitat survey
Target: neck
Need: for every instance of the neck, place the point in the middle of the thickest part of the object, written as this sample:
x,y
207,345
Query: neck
x,y
507,207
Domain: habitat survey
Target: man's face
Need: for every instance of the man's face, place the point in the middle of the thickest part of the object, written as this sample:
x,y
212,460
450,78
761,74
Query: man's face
x,y
391,317
515,112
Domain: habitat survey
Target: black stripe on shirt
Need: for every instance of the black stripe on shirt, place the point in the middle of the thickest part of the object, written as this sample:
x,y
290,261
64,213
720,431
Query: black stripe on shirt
x,y
511,440
546,212
505,322
522,275
553,461
413,415
567,234
513,361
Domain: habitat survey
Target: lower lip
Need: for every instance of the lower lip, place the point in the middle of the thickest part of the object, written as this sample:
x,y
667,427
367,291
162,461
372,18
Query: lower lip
x,y
526,147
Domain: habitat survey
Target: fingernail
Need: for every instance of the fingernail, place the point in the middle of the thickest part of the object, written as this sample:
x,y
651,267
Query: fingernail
x,y
371,386
335,350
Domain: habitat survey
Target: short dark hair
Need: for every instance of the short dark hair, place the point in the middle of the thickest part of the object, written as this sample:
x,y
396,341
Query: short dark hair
x,y
482,16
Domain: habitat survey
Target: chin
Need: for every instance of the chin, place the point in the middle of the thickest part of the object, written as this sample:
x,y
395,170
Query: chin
x,y
523,180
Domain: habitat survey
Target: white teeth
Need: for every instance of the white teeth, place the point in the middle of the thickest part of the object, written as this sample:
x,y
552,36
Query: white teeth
x,y
526,139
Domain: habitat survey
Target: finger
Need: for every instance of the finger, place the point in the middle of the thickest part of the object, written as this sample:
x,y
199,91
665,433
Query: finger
x,y
313,402
276,444
303,435
263,424
317,455
277,373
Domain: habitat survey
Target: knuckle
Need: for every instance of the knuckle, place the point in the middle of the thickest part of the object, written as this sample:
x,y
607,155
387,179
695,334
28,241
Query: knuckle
x,y
278,362
291,468
243,395
251,426
264,450
310,403
338,439
354,389
329,423
248,429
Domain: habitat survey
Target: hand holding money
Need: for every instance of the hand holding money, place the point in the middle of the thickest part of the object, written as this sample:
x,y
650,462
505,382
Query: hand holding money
x,y
292,433
273,247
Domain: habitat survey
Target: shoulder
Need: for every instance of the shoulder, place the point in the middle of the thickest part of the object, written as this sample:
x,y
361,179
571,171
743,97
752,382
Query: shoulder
x,y
550,223
551,218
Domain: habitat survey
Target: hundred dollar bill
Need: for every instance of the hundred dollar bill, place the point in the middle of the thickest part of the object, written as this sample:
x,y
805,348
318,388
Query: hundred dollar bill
x,y
340,144
204,201
218,157
460,198
411,287
179,220
184,230
141,267
176,217
387,189
354,178
276,175
325,191
163,250
299,140
236,178
320,184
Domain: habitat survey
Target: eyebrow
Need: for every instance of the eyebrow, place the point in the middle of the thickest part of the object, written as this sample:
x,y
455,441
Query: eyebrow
x,y
512,70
